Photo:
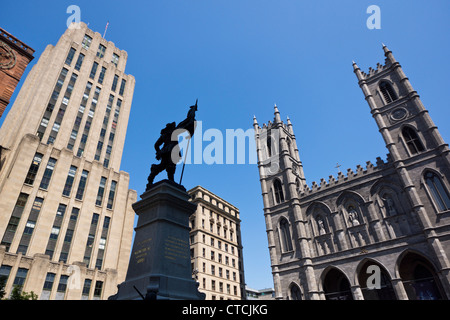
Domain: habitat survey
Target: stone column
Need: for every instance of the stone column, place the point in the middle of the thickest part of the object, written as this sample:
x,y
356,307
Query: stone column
x,y
357,293
399,289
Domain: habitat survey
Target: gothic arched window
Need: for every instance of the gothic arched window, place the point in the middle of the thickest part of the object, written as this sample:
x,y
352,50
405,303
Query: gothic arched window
x,y
296,293
279,196
412,140
438,191
388,92
288,141
269,145
297,185
285,235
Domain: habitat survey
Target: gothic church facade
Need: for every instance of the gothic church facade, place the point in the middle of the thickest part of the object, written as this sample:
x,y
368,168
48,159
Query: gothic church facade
x,y
382,232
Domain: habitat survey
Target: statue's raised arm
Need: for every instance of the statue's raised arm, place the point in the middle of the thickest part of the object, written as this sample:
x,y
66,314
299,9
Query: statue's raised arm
x,y
189,123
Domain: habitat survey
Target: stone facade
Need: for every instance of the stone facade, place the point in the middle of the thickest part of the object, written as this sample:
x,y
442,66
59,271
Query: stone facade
x,y
380,232
216,247
66,221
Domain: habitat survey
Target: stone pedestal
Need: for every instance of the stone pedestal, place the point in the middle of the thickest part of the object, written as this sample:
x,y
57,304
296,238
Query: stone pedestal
x,y
160,263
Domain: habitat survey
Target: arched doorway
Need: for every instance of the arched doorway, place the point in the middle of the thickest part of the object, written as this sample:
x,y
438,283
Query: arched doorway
x,y
295,292
336,286
419,278
386,292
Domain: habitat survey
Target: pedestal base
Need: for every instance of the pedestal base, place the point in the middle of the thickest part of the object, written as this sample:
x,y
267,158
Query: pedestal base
x,y
160,264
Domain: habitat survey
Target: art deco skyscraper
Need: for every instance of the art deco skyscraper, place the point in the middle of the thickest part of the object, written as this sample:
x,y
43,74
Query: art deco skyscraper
x,y
66,221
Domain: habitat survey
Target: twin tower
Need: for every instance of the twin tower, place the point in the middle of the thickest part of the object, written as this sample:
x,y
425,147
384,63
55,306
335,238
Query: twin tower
x,y
381,232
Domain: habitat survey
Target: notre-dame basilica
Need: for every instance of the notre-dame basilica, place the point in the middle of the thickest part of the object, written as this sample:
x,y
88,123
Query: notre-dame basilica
x,y
382,232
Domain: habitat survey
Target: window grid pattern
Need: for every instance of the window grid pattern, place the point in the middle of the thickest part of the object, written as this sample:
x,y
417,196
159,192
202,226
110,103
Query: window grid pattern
x,y
69,181
93,70
87,125
79,118
112,133
101,191
79,62
102,243
104,127
91,239
62,109
14,220
51,104
30,225
112,193
82,185
69,235
48,174
34,167
56,229
70,56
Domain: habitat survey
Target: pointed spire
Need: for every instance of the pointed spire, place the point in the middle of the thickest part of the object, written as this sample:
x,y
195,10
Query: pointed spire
x,y
277,114
388,54
255,122
357,71
289,124
386,50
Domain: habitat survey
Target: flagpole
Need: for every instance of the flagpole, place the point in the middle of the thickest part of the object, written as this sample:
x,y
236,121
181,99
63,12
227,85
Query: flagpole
x,y
106,28
184,162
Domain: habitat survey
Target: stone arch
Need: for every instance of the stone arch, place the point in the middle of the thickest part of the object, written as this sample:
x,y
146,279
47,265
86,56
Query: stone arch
x,y
295,293
387,197
284,234
316,211
414,143
352,208
387,90
365,276
439,196
279,194
419,276
349,194
335,284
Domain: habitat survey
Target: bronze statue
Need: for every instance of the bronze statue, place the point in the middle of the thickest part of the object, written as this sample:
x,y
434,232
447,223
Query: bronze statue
x,y
170,153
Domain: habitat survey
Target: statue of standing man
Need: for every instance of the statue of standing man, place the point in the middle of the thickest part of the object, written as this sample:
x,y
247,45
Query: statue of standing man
x,y
170,153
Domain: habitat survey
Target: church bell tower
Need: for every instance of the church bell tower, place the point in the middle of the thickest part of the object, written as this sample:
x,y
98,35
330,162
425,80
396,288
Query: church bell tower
x,y
282,180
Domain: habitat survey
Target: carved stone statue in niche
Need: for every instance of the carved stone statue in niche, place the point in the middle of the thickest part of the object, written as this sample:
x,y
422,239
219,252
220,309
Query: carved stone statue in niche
x,y
389,205
353,216
321,226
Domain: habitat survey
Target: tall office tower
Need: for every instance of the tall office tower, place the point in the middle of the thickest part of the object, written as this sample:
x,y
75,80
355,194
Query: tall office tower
x,y
216,247
66,220
14,59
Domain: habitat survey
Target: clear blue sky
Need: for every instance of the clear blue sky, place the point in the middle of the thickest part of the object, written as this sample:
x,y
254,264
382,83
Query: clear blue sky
x,y
239,58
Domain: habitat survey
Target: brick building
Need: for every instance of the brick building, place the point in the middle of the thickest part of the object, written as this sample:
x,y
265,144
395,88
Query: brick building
x,y
14,59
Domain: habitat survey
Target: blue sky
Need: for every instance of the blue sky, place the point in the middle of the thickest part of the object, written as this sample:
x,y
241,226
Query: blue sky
x,y
239,58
